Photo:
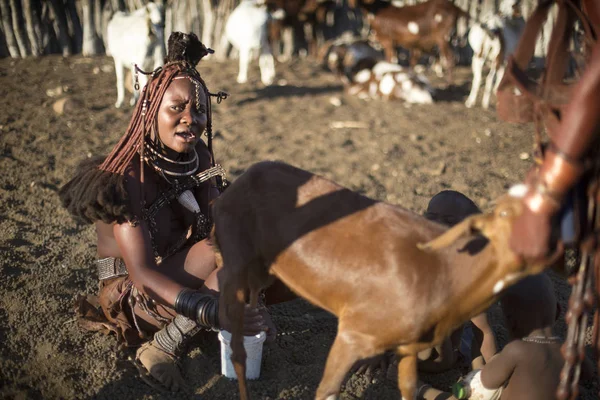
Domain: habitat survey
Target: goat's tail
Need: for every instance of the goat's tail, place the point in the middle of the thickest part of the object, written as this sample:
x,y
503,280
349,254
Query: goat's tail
x,y
238,352
232,301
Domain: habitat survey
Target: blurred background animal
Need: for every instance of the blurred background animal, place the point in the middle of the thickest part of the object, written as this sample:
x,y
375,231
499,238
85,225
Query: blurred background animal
x,y
136,38
492,41
246,30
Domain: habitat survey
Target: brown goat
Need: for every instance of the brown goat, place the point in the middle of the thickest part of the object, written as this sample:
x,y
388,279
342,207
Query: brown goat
x,y
359,259
418,28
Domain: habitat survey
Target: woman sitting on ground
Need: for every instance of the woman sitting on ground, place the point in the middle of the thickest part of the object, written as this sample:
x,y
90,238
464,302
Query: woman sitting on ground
x,y
149,199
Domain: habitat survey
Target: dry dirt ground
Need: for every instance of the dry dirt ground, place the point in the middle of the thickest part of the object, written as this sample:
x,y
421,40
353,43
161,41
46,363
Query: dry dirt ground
x,y
388,151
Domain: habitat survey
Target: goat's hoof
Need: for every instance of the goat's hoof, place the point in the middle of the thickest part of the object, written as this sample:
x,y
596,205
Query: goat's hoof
x,y
118,105
469,104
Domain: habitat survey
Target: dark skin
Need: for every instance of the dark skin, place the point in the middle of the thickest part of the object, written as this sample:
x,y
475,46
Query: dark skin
x,y
532,370
180,125
574,136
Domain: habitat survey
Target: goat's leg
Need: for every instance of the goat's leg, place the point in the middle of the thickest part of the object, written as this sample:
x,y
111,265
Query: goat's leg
x,y
389,51
225,48
266,62
274,31
311,39
287,36
231,306
413,58
407,376
120,74
244,62
238,352
477,67
447,61
489,83
232,277
499,76
342,356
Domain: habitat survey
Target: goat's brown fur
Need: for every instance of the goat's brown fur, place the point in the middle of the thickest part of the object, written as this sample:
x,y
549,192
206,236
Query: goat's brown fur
x,y
395,26
359,259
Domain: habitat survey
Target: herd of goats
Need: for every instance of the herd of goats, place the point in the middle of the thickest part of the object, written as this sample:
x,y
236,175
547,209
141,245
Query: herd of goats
x,y
367,64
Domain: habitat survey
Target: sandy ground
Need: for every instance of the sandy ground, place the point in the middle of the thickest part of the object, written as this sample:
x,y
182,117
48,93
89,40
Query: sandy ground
x,y
394,152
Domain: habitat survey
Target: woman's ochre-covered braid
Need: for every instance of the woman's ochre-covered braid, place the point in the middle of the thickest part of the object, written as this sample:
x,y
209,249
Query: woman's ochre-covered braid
x,y
98,190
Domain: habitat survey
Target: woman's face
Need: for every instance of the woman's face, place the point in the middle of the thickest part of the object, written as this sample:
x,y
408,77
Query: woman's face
x,y
180,122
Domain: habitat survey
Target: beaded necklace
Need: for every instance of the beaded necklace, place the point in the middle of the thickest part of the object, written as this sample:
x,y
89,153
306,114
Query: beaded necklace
x,y
181,191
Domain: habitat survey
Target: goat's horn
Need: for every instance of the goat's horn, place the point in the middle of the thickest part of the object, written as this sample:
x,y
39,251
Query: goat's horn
x,y
451,235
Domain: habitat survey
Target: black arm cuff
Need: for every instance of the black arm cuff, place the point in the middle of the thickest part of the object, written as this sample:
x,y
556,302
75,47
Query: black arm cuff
x,y
201,307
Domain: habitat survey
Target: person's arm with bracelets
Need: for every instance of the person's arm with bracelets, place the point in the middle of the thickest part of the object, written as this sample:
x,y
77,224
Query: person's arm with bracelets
x,y
562,166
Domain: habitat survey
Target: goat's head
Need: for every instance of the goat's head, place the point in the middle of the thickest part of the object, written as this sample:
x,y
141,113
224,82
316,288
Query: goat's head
x,y
154,13
156,26
414,88
497,227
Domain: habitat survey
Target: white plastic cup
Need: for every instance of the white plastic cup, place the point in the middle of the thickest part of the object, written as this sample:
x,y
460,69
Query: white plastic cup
x,y
253,346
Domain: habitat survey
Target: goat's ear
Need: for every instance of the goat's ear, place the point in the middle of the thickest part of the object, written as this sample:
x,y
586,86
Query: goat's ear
x,y
452,234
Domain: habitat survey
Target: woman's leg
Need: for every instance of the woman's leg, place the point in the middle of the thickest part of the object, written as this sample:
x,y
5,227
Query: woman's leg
x,y
193,267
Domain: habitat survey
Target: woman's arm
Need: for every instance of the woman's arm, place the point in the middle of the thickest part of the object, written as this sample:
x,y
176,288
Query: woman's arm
x,y
135,247
562,165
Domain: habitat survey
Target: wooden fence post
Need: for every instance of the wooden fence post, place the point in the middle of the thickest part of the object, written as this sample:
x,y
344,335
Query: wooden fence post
x,y
17,24
11,42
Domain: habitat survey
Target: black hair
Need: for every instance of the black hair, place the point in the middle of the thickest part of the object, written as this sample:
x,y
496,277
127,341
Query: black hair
x,y
529,304
449,207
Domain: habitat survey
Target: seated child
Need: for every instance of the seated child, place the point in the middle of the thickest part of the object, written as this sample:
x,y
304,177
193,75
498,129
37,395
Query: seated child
x,y
529,366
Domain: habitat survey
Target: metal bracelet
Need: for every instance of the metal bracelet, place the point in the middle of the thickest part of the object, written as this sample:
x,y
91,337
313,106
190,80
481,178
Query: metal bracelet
x,y
110,267
203,308
174,335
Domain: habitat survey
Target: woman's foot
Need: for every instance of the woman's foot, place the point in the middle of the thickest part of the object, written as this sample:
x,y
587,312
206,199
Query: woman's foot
x,y
158,368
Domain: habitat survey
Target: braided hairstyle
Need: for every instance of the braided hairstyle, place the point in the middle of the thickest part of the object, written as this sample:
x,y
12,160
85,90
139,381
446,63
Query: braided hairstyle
x,y
98,191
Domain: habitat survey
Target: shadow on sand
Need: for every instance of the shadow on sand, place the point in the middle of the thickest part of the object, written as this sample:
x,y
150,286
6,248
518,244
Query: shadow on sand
x,y
272,92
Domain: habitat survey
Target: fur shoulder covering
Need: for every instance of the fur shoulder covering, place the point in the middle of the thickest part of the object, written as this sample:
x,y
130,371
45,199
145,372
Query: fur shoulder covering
x,y
94,195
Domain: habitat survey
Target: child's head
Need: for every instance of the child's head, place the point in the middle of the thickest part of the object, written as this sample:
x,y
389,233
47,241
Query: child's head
x,y
530,304
449,207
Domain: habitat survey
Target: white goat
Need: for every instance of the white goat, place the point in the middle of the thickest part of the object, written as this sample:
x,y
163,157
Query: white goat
x,y
246,30
136,38
492,42
391,81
